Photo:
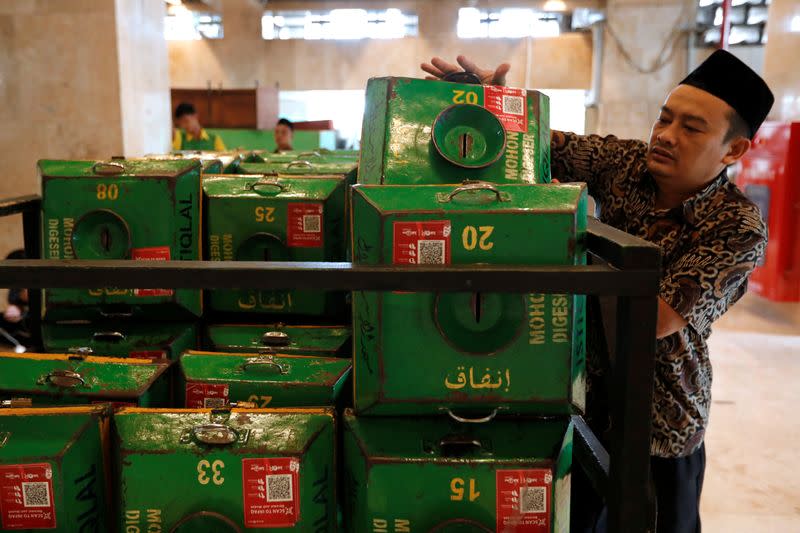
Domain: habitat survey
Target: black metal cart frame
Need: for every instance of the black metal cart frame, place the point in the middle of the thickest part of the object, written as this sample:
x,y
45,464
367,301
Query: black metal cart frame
x,y
628,269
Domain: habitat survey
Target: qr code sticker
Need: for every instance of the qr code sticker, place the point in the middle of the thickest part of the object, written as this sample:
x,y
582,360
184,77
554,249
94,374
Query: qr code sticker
x,y
512,105
36,494
279,488
532,500
431,252
311,223
213,402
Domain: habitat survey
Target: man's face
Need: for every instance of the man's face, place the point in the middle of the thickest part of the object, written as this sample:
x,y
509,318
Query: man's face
x,y
687,142
283,137
188,123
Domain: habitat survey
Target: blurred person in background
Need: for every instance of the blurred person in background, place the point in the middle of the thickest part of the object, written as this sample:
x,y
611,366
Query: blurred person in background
x,y
190,135
284,135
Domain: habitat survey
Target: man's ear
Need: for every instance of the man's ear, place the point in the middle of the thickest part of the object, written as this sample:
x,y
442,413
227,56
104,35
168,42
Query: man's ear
x,y
739,146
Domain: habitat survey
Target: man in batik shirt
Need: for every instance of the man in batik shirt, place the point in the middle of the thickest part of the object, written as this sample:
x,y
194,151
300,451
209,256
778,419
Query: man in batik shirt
x,y
674,192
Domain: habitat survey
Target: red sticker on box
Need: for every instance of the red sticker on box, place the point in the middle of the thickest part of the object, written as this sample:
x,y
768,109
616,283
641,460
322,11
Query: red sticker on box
x,y
203,395
158,253
149,354
509,105
422,243
523,500
26,497
304,225
271,491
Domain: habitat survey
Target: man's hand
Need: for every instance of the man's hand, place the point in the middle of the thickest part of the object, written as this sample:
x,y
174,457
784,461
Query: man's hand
x,y
669,321
438,68
13,314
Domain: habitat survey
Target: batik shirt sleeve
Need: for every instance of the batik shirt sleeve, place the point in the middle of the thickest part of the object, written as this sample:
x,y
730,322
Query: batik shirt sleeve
x,y
712,275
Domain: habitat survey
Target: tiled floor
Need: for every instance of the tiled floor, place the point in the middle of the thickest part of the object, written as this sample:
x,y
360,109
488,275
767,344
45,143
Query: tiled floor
x,y
752,481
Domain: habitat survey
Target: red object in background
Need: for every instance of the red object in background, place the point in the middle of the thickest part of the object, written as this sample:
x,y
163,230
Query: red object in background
x,y
770,176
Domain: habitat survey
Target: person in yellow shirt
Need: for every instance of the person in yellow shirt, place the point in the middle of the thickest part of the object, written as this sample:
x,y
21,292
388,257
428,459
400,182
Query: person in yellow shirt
x,y
284,134
190,135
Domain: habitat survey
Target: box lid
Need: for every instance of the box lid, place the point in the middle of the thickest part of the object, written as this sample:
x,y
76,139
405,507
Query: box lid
x,y
295,370
280,431
251,338
71,375
42,433
117,168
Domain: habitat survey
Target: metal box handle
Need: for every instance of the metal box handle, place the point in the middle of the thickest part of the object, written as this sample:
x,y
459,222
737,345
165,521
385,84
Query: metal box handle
x,y
218,434
258,186
108,168
265,361
465,420
66,379
275,338
476,186
108,336
300,163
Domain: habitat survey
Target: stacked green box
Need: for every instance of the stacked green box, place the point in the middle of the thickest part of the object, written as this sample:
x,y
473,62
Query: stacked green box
x,y
139,209
52,469
426,474
426,132
325,341
511,353
458,174
156,340
217,471
264,218
56,379
216,379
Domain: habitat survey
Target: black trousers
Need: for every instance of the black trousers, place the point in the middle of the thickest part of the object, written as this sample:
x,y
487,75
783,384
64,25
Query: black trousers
x,y
678,484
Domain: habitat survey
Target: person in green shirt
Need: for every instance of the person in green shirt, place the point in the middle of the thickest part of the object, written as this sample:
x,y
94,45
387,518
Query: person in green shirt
x,y
190,135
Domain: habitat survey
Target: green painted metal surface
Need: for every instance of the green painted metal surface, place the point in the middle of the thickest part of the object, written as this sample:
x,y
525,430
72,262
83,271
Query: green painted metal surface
x,y
244,139
213,162
312,156
212,379
153,340
427,474
275,473
268,218
55,379
327,341
139,209
52,470
474,352
325,166
422,131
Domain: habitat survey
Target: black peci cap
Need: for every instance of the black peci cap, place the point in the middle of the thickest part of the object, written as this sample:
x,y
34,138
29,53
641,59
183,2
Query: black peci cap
x,y
729,79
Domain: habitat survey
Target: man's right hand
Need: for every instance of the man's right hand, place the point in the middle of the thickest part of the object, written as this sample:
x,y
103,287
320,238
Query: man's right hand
x,y
438,68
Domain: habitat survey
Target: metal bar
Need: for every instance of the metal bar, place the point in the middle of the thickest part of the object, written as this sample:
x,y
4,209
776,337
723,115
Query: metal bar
x,y
630,501
20,204
621,249
32,234
725,28
591,455
593,279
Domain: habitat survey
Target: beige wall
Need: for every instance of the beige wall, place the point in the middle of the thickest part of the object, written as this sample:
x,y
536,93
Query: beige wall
x,y
60,89
243,57
629,100
144,77
780,61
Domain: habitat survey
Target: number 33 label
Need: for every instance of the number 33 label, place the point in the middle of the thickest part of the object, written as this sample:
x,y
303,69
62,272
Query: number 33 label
x,y
216,467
